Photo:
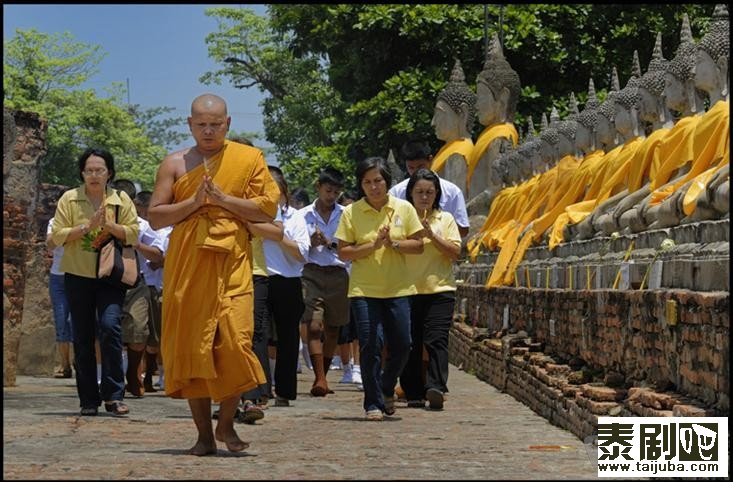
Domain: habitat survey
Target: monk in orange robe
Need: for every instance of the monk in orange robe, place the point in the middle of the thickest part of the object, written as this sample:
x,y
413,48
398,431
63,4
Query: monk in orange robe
x,y
209,192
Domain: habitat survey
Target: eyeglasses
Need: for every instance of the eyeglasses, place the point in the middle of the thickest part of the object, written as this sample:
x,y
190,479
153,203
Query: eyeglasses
x,y
94,172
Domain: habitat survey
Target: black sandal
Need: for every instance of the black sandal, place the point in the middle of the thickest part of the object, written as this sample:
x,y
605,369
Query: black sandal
x,y
117,408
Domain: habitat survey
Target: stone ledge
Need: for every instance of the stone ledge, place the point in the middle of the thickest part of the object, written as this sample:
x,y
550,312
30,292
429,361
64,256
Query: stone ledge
x,y
541,383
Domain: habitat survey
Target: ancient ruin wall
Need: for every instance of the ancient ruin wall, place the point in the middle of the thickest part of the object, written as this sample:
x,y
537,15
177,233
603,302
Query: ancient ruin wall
x,y
632,332
24,136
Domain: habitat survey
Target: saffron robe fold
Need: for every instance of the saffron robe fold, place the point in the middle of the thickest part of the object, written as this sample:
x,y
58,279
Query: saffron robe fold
x,y
207,322
459,146
487,136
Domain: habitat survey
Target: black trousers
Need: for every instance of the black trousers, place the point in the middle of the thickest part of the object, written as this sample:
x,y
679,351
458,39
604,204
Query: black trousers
x,y
285,303
430,320
260,336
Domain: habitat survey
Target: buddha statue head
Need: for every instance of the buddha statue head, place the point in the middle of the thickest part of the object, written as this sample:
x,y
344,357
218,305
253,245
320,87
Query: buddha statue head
x,y
550,138
626,104
515,169
497,88
567,129
585,134
605,128
652,108
713,56
529,150
680,93
455,109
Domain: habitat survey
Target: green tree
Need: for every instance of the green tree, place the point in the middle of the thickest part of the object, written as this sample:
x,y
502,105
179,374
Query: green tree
x,y
358,79
42,74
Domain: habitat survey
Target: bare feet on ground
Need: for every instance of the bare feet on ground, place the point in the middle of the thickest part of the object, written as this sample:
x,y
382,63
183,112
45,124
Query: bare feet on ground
x,y
231,439
203,448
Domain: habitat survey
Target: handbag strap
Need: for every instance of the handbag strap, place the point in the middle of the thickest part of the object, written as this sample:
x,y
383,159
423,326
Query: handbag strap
x,y
117,206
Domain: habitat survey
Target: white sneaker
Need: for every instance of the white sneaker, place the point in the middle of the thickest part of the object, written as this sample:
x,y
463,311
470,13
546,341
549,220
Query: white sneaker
x,y
347,376
356,376
335,363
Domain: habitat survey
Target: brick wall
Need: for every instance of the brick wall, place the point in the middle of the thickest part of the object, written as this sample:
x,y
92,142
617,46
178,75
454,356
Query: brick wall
x,y
37,354
24,135
593,337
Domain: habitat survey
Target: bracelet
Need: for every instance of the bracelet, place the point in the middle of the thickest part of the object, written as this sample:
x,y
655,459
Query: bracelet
x,y
84,229
396,245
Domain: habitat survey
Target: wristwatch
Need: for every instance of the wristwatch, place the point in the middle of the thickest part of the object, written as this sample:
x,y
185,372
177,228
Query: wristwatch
x,y
396,245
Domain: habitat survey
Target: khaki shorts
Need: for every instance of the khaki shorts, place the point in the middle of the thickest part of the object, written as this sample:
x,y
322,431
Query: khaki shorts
x,y
325,294
136,314
155,310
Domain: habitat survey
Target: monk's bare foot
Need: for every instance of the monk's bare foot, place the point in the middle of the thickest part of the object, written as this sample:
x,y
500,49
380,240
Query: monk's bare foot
x,y
231,439
202,448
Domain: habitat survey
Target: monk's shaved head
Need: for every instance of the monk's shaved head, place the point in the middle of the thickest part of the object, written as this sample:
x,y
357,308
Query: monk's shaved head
x,y
208,103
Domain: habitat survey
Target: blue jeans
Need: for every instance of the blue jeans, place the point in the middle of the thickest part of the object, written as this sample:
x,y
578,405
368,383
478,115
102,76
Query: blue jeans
x,y
95,303
379,320
60,305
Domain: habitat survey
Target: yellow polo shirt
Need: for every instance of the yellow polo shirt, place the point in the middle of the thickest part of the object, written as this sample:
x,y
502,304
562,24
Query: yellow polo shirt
x,y
73,209
259,267
432,270
382,274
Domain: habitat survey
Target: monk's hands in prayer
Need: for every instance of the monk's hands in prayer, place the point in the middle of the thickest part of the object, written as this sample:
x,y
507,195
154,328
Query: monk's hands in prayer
x,y
200,197
213,193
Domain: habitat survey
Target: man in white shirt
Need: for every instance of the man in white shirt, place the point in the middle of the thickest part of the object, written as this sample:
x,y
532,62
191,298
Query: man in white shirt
x,y
417,155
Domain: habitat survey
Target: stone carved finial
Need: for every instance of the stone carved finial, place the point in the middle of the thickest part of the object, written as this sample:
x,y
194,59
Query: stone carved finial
x,y
543,122
716,42
573,106
592,102
495,51
549,131
682,66
686,31
615,84
520,133
554,116
530,128
589,117
635,67
457,75
653,78
497,74
657,53
630,97
606,108
457,94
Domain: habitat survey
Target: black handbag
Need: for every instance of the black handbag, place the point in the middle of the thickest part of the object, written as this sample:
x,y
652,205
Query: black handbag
x,y
117,263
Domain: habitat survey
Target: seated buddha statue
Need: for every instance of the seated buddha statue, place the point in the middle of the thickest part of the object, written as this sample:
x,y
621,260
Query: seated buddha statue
x,y
702,148
708,196
497,93
455,111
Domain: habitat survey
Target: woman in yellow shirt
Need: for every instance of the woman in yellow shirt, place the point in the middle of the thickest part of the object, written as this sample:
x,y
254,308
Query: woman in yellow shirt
x,y
375,233
431,309
82,214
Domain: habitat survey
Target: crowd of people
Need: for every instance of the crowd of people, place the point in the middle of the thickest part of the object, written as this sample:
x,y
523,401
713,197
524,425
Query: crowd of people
x,y
240,277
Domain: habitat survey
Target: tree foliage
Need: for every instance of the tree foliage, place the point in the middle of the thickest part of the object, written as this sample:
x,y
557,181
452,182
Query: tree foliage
x,y
43,73
349,81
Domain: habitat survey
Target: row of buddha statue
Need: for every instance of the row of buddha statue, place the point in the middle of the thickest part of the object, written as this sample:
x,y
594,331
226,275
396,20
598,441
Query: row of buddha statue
x,y
623,165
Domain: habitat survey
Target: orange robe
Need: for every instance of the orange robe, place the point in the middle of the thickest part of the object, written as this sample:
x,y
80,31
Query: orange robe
x,y
459,146
707,146
208,307
487,136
